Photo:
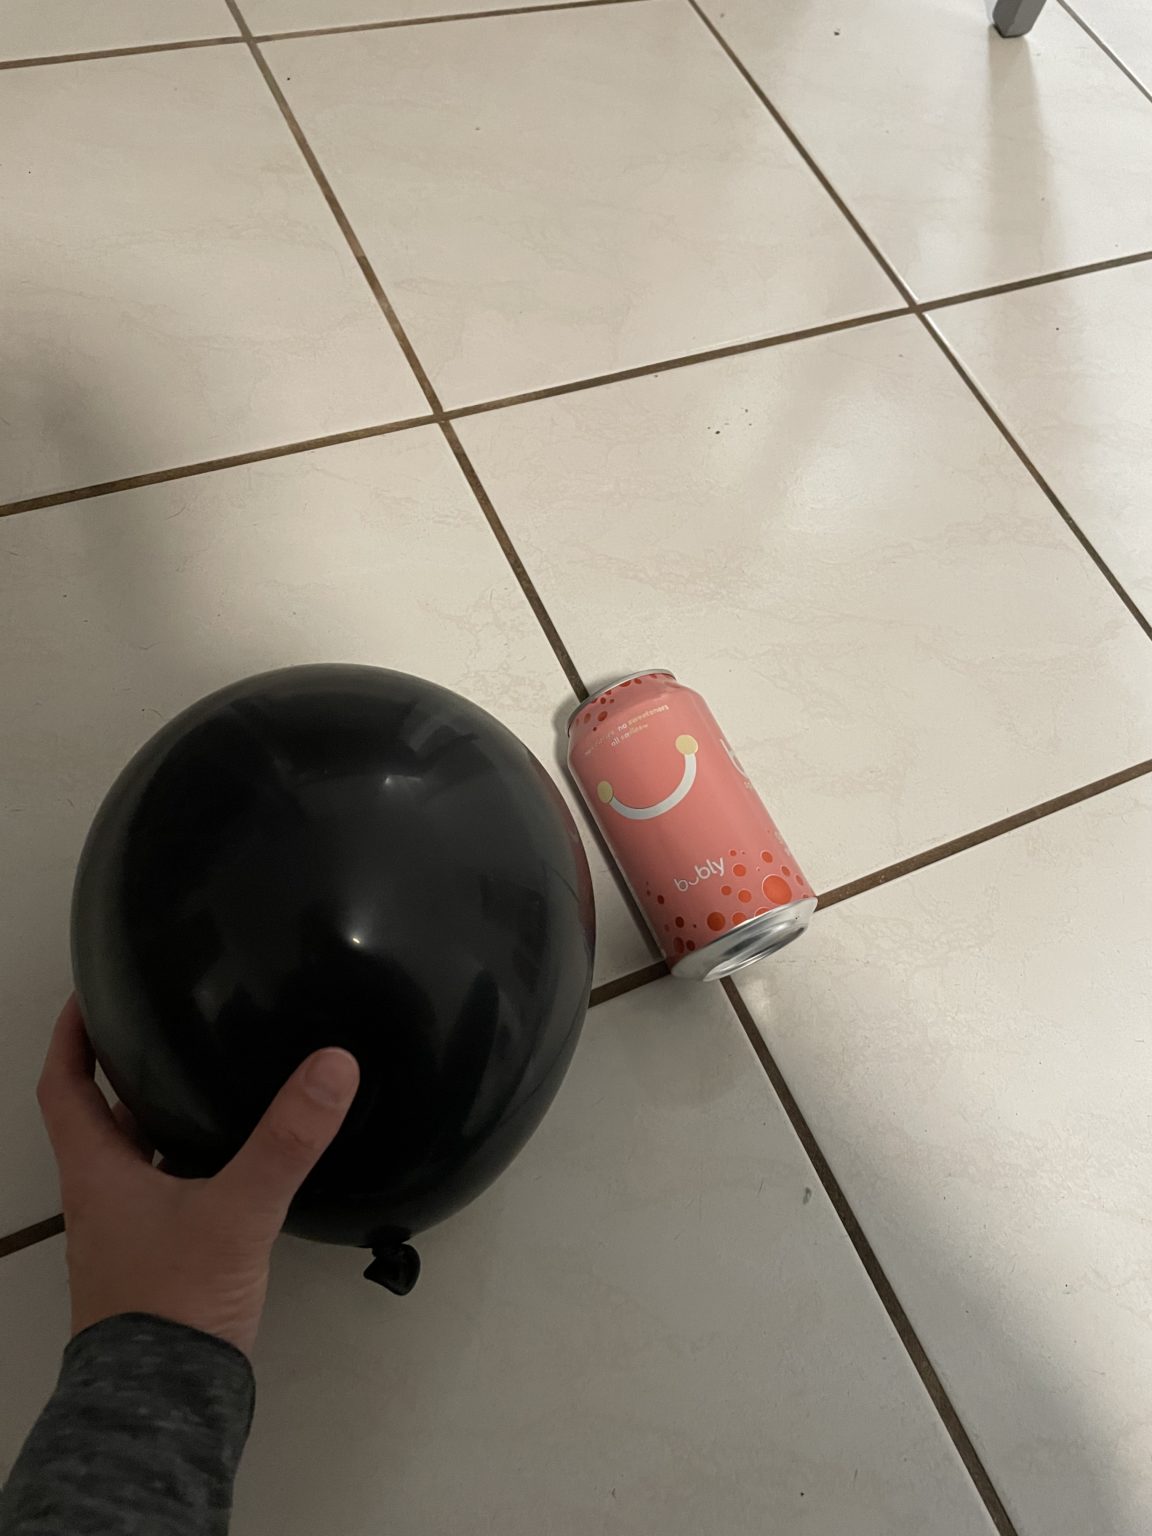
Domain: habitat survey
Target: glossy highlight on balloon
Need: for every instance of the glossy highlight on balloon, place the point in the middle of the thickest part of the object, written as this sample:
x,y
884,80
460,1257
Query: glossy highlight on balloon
x,y
338,855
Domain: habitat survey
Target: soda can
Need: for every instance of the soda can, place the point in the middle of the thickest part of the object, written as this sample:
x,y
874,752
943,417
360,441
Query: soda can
x,y
700,853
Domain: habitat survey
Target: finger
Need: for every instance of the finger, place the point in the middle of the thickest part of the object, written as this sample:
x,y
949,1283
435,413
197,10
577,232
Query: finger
x,y
129,1128
75,1113
286,1145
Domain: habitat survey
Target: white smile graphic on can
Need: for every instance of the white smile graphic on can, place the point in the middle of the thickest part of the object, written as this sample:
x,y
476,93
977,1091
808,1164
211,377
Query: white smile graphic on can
x,y
688,746
714,879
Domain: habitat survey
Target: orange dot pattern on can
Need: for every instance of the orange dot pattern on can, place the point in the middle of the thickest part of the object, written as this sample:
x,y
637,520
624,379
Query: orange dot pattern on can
x,y
776,889
608,697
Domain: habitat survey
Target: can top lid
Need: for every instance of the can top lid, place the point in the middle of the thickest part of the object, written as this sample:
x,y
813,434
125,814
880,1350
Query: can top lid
x,y
626,677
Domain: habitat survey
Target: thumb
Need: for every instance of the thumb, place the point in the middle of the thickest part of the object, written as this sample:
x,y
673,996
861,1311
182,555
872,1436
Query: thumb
x,y
287,1143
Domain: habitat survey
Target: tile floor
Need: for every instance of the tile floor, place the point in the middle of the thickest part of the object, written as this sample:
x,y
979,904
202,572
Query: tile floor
x,y
523,349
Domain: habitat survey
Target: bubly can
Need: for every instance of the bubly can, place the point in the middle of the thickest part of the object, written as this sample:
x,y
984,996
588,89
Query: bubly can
x,y
699,851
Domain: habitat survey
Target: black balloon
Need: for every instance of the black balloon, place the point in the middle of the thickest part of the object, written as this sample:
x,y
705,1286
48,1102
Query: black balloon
x,y
338,855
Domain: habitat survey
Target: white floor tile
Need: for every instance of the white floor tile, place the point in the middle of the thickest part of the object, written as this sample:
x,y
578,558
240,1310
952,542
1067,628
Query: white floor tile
x,y
287,15
652,1322
971,1046
1067,366
34,1325
971,159
117,613
172,286
1126,27
833,543
40,28
560,194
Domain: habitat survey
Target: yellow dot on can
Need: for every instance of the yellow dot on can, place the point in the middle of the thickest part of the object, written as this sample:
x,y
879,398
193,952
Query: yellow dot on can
x,y
604,790
687,745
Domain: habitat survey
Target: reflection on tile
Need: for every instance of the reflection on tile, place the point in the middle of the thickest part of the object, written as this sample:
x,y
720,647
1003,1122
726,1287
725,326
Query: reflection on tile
x,y
833,543
39,28
286,15
117,613
652,1322
1068,367
970,158
652,208
201,305
971,1046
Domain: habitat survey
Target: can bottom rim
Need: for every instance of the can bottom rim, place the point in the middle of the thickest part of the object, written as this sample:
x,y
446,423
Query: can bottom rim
x,y
751,941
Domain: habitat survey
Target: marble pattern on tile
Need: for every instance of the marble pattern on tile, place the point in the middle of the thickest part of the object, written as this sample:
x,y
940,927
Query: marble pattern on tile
x,y
833,543
971,1046
172,286
971,159
40,28
651,209
288,15
1068,367
652,1322
117,613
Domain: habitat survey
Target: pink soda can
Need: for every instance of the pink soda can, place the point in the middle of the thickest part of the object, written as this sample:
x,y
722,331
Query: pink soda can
x,y
700,853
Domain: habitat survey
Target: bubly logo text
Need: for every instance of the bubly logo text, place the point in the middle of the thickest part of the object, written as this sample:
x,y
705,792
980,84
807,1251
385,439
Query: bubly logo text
x,y
703,872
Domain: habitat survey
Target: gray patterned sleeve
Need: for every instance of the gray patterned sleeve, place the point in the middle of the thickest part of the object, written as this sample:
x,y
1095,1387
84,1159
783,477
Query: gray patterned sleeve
x,y
142,1436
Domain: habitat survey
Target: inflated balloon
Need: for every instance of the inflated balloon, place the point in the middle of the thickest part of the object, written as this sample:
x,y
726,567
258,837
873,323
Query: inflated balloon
x,y
338,855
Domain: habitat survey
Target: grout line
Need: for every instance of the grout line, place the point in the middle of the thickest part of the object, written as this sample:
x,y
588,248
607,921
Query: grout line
x,y
434,417
1103,46
632,982
874,1269
27,1237
467,468
366,268
40,1231
426,21
967,1452
484,501
441,416
1018,449
207,466
548,391
118,53
247,36
918,309
1086,270
527,586
793,138
986,834
619,986
665,365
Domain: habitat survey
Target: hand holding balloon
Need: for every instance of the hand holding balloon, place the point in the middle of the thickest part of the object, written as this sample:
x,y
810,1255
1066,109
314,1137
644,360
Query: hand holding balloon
x,y
338,855
192,1250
